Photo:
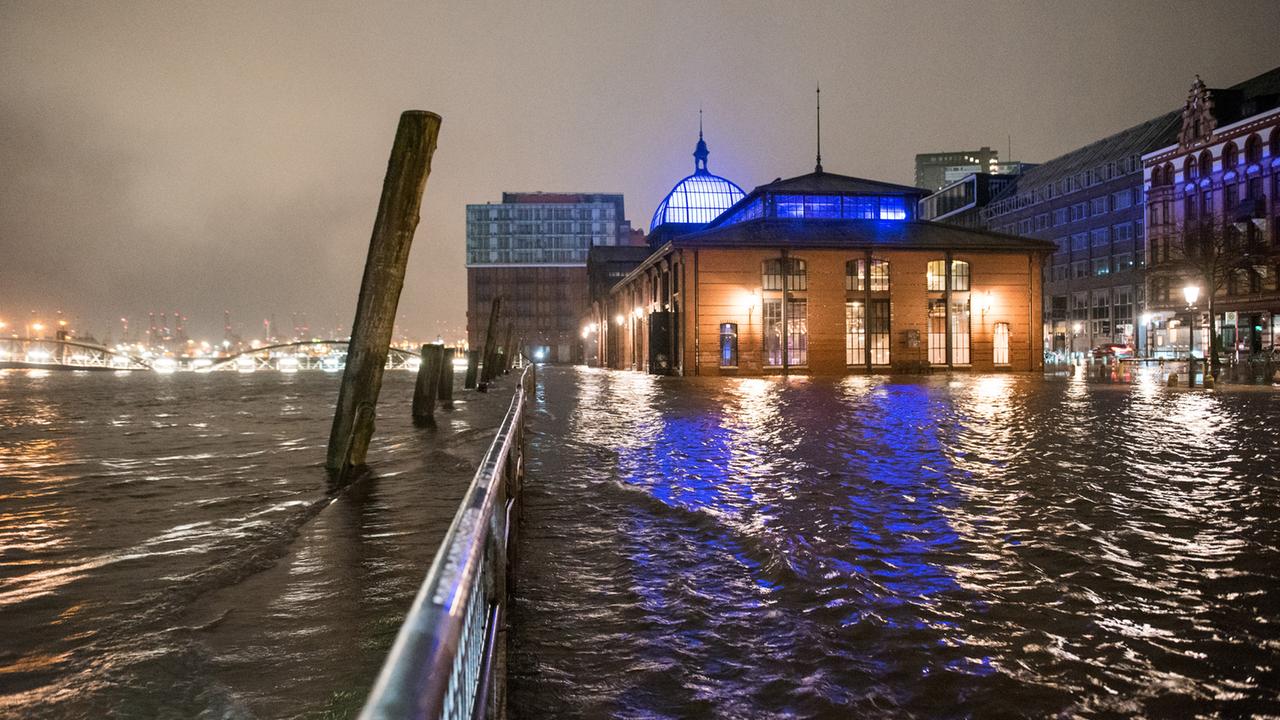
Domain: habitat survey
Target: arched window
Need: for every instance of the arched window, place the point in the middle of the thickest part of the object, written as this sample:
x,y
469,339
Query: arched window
x,y
853,275
959,276
936,276
1253,149
1168,173
879,275
1206,164
1189,169
771,274
1275,143
1230,157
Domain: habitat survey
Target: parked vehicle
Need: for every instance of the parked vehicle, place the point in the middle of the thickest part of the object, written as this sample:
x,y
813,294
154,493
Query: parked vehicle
x,y
1112,350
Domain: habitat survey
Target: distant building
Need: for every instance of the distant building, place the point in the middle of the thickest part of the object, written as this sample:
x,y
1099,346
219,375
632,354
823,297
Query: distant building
x,y
1089,203
961,202
827,274
937,170
531,249
1214,220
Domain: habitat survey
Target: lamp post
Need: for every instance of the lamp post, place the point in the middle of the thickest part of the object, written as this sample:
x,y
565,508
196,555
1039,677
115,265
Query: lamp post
x,y
1191,293
1146,324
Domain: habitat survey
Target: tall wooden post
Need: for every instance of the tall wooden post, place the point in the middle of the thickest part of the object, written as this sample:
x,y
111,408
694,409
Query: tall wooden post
x,y
506,347
427,388
473,369
384,268
490,345
444,389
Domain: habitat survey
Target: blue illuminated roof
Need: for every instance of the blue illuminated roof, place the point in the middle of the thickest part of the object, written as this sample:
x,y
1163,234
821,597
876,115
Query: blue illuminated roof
x,y
699,198
825,196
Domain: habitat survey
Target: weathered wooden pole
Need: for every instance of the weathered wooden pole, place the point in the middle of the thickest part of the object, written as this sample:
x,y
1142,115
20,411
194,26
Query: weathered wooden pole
x,y
473,369
444,389
490,342
384,268
506,347
427,388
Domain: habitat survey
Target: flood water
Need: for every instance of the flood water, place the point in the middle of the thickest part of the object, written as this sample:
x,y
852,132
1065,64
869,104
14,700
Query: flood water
x,y
965,546
170,546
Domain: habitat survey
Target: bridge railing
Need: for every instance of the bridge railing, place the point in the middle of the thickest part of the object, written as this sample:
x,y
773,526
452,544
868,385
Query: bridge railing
x,y
444,663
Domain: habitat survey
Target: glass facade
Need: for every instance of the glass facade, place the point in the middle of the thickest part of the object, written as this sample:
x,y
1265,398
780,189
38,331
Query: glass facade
x,y
699,198
824,207
525,233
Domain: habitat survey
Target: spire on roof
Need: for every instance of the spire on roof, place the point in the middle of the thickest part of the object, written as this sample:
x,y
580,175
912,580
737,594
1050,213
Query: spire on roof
x,y
700,152
818,165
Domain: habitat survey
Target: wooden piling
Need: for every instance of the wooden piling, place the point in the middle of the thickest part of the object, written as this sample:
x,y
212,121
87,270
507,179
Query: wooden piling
x,y
490,346
444,389
506,347
393,229
427,387
473,369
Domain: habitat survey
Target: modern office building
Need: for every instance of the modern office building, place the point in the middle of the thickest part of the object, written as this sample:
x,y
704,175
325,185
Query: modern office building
x,y
1214,221
827,274
935,171
531,249
961,202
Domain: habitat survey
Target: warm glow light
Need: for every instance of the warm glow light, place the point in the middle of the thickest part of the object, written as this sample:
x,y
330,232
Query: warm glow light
x,y
639,313
619,319
1077,327
749,300
37,327
984,301
1147,318
1191,293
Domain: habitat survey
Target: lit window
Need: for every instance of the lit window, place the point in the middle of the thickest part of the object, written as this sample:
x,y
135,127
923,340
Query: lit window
x,y
728,345
959,275
879,275
936,276
893,208
857,207
1001,344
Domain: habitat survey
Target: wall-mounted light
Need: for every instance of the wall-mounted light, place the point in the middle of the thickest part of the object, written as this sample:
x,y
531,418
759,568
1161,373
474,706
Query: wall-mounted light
x,y
749,300
619,319
639,313
984,302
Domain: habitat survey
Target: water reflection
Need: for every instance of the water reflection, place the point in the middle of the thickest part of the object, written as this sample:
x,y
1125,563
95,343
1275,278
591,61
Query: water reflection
x,y
991,545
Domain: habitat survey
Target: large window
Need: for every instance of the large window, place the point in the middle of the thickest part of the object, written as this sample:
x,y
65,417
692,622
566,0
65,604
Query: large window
x,y
936,276
959,276
938,332
854,275
878,329
960,332
855,328
771,317
728,345
879,275
772,273
1001,351
797,332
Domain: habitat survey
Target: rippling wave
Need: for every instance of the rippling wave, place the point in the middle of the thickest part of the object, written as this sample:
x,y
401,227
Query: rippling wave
x,y
945,546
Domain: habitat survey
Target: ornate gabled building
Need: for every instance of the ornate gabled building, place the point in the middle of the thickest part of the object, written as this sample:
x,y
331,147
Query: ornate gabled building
x,y
1213,221
827,274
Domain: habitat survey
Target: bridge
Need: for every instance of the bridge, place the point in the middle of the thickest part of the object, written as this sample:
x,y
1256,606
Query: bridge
x,y
53,354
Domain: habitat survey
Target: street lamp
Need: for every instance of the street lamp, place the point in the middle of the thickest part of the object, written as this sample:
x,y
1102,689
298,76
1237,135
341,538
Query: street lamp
x,y
1191,293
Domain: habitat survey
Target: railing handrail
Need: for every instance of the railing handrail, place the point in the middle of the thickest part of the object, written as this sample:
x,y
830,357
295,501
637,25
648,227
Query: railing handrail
x,y
415,678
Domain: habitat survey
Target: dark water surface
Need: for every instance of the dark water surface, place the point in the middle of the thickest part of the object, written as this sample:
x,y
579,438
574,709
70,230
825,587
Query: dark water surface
x,y
969,546
170,546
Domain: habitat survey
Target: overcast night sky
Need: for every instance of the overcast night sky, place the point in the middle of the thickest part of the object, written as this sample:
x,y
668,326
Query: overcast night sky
x,y
197,157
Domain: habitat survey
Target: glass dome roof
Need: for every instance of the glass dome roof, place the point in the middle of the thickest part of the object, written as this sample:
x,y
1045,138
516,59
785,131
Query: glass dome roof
x,y
700,197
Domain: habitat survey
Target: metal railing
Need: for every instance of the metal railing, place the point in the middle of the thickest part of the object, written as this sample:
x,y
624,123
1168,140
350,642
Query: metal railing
x,y
445,659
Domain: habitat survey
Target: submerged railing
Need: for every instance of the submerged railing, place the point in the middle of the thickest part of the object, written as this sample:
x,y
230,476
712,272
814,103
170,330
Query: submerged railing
x,y
445,660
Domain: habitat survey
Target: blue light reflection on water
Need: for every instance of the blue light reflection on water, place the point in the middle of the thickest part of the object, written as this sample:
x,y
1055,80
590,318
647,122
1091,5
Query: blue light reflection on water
x,y
875,547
